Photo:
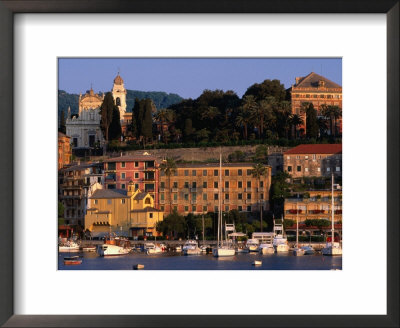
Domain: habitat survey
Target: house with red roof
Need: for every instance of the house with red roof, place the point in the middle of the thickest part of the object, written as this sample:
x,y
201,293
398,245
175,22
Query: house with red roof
x,y
314,160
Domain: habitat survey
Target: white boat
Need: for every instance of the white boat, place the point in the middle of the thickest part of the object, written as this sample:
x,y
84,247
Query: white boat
x,y
151,248
191,247
308,250
68,247
252,245
257,263
221,250
332,248
178,249
280,242
242,249
114,246
297,251
266,249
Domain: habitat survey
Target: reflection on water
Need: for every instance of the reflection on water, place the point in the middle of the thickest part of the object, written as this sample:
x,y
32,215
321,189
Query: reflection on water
x,y
176,261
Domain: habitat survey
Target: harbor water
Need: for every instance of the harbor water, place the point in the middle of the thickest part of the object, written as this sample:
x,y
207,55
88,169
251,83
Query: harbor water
x,y
178,261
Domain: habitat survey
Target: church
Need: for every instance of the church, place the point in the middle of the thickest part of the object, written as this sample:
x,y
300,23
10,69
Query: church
x,y
84,129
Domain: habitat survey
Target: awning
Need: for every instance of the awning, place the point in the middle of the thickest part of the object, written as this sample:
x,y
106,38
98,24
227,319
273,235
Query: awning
x,y
237,234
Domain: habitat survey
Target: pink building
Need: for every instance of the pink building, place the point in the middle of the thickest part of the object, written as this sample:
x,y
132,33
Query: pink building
x,y
142,170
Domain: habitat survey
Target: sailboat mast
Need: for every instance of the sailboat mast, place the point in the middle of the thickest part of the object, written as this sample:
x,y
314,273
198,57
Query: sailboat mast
x,y
333,214
297,226
220,190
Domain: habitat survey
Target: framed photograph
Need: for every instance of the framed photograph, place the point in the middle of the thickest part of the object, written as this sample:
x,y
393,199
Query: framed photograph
x,y
223,152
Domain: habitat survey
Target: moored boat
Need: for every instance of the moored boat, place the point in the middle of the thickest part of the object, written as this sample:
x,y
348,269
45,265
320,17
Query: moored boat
x,y
114,246
252,245
73,260
191,248
68,247
308,250
266,249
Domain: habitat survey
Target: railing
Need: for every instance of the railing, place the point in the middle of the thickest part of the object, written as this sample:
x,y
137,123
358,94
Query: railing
x,y
174,189
162,201
193,201
162,189
193,189
174,201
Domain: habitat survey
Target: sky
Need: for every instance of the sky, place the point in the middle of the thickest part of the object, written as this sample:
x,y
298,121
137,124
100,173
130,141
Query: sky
x,y
188,77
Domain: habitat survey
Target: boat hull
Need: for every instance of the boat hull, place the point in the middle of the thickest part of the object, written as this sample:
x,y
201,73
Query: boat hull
x,y
66,249
221,252
282,248
331,251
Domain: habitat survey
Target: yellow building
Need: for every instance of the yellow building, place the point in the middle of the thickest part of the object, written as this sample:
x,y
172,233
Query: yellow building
x,y
129,212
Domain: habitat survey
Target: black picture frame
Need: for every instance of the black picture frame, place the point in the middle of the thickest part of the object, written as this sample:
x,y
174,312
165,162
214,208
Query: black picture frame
x,y
7,10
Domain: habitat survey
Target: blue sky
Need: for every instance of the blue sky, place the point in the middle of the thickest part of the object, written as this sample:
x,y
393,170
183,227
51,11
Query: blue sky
x,y
188,77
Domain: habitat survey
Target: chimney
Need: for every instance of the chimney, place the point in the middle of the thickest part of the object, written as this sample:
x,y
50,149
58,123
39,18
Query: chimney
x,y
298,80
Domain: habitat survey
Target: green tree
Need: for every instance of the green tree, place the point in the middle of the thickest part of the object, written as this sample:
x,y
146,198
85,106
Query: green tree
x,y
312,127
62,122
173,225
106,112
295,121
279,191
115,130
61,209
188,130
147,128
168,167
268,88
259,170
261,154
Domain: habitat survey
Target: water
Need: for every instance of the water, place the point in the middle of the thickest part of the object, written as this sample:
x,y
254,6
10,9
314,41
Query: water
x,y
176,261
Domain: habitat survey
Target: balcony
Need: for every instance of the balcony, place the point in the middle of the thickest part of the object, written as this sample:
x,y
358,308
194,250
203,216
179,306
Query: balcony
x,y
248,189
193,201
193,189
162,201
175,201
162,189
248,201
174,189
226,201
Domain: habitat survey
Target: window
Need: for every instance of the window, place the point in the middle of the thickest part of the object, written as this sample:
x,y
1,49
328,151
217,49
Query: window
x,y
193,208
194,196
175,173
136,164
227,173
186,173
248,196
162,173
215,208
337,168
306,169
240,196
175,208
162,184
123,186
109,201
248,184
175,196
306,157
314,156
226,184
240,209
240,172
122,164
204,196
248,208
194,185
249,171
227,196
194,173
175,185
204,173
261,184
122,201
215,173
204,208
186,208
227,208
96,201
111,166
288,157
298,168
215,196
262,196
186,184
328,169
136,175
123,175
204,184
297,156
162,208
162,196
136,186
240,184
186,196
319,169
99,179
215,184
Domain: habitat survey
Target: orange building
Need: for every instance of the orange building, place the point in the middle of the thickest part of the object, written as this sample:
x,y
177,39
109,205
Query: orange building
x,y
64,150
317,90
195,188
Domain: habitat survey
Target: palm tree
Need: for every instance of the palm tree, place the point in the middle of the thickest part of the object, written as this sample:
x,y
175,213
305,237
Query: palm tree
x,y
168,166
333,113
242,120
295,121
210,113
258,171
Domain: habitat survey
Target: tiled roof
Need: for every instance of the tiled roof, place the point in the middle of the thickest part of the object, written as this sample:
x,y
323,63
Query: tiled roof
x,y
312,80
109,193
140,195
132,158
146,209
316,149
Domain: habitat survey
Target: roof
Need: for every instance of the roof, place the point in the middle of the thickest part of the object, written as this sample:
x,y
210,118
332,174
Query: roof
x,y
62,135
312,81
118,80
146,209
109,193
316,149
132,158
140,195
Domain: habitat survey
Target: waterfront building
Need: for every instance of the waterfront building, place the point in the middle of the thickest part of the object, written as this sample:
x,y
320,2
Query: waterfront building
x,y
64,150
314,204
194,188
142,170
319,160
317,90
129,212
77,183
84,128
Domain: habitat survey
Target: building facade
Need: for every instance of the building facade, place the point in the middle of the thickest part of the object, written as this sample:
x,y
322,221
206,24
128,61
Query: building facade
x,y
84,129
313,160
142,170
195,188
64,150
77,184
317,205
317,90
128,212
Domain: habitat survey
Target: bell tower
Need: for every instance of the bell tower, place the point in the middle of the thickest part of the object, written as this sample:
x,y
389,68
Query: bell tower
x,y
119,95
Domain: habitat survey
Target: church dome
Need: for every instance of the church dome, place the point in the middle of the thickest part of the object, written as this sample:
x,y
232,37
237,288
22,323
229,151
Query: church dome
x,y
118,80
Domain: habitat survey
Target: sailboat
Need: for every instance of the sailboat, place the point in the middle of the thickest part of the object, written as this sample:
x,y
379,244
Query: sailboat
x,y
332,248
297,251
221,250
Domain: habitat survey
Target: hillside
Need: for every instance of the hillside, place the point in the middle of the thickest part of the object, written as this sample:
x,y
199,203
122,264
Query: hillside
x,y
160,99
